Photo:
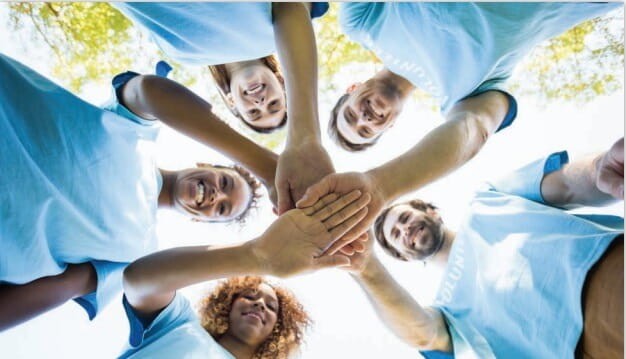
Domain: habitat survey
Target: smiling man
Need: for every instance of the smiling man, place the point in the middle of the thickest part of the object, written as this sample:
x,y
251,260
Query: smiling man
x,y
517,269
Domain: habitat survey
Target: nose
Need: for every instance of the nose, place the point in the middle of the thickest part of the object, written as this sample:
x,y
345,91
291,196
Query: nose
x,y
259,100
259,304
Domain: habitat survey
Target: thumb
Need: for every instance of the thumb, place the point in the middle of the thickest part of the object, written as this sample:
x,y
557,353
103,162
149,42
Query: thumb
x,y
315,192
335,260
284,197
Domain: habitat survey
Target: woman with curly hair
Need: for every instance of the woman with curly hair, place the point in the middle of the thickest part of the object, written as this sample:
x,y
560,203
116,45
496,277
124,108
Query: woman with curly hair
x,y
245,317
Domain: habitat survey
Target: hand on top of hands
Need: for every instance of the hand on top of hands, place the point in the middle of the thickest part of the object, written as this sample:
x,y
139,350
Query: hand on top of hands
x,y
298,168
610,171
341,184
295,242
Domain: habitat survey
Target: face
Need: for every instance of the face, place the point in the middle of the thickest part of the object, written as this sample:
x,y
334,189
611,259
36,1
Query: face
x,y
370,109
414,233
211,194
258,96
254,314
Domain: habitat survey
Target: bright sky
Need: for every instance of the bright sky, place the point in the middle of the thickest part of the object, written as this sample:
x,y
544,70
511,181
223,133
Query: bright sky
x,y
345,324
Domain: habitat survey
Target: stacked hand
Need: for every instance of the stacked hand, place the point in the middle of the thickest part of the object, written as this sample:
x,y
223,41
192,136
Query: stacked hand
x,y
295,242
299,167
341,184
610,171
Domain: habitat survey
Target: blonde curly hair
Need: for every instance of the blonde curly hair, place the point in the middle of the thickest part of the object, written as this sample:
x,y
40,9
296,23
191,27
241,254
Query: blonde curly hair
x,y
288,332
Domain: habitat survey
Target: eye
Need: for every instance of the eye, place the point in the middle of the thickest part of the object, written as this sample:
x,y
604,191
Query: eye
x,y
272,307
223,182
221,209
403,218
273,104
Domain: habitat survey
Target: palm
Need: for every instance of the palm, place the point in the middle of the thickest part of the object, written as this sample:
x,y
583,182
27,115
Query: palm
x,y
611,171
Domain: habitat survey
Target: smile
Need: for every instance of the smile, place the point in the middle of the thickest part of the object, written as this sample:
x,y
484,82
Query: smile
x,y
254,89
374,110
200,192
254,315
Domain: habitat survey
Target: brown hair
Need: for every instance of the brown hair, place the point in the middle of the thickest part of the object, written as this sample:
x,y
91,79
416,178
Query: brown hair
x,y
222,81
334,134
380,221
288,332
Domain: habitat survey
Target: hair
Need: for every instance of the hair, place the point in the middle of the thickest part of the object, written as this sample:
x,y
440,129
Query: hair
x,y
336,136
222,81
288,332
254,189
380,221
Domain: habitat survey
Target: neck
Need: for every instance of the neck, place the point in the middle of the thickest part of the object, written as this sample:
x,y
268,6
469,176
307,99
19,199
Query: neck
x,y
235,67
166,196
402,86
236,347
440,259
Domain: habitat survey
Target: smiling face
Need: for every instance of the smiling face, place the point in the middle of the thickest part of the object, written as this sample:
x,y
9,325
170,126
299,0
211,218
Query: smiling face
x,y
370,109
253,315
258,96
412,232
211,194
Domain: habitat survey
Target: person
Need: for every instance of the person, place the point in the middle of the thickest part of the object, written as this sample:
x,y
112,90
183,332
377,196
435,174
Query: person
x,y
515,269
81,198
236,41
212,35
460,53
248,318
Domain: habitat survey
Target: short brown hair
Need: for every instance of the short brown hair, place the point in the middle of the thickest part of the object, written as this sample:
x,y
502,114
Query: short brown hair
x,y
336,136
288,332
222,81
380,221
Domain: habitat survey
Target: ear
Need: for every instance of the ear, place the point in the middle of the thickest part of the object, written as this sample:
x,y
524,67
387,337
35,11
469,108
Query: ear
x,y
229,100
353,87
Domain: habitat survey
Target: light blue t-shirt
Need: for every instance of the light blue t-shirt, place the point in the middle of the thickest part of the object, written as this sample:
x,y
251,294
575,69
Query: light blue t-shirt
x,y
79,184
513,284
175,333
456,50
215,33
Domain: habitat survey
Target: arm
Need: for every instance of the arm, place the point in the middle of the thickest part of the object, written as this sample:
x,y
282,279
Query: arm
x,y
153,97
591,181
304,161
423,328
150,282
468,126
446,148
20,303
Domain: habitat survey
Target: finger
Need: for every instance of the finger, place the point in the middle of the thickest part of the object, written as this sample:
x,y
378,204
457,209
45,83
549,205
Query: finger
x,y
316,191
284,198
352,234
340,230
337,260
335,206
275,210
347,250
358,246
329,198
347,211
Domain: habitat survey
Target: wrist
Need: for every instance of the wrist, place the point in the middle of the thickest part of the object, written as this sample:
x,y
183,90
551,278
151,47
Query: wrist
x,y
259,259
370,270
381,183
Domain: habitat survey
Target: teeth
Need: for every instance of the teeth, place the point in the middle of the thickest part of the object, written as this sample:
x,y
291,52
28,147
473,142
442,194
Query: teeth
x,y
199,193
254,90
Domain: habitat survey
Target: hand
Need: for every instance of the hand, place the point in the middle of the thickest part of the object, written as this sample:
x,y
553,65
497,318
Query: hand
x,y
294,243
360,260
299,167
610,171
341,184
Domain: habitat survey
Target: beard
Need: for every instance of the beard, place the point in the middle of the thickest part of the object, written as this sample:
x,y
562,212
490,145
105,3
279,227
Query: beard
x,y
434,230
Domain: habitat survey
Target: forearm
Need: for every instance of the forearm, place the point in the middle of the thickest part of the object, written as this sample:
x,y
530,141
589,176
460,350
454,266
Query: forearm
x,y
574,185
151,281
20,303
440,152
419,327
296,48
155,97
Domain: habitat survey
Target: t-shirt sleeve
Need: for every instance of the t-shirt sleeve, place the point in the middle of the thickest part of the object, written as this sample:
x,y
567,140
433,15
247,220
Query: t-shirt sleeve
x,y
114,104
431,354
109,276
498,85
526,181
177,313
318,9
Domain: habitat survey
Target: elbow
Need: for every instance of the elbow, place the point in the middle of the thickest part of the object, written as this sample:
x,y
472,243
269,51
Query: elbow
x,y
141,93
477,132
132,281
